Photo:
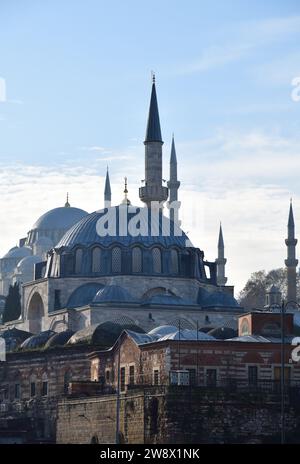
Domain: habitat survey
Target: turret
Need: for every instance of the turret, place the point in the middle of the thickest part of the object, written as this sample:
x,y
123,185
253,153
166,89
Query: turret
x,y
107,191
173,184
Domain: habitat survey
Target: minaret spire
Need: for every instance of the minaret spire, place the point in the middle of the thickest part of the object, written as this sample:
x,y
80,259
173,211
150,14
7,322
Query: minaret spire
x,y
221,260
173,184
107,191
291,261
153,189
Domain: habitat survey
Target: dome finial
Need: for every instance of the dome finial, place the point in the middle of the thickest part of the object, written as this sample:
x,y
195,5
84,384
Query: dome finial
x,y
67,204
126,201
153,77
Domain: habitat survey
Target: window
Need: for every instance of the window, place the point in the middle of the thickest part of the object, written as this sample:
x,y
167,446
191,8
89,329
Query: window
x,y
156,377
156,258
57,303
32,389
116,259
17,391
96,260
78,261
131,375
5,392
136,259
122,378
174,261
252,375
67,380
45,388
192,373
211,377
107,376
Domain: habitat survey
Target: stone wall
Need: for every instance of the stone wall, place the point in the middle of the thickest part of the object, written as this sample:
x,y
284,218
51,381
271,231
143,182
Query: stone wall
x,y
172,415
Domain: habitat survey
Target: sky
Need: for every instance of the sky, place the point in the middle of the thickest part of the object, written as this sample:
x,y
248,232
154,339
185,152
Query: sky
x,y
75,82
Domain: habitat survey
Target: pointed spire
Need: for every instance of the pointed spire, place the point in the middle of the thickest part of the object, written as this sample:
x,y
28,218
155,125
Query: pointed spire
x,y
153,132
291,222
107,191
220,241
67,204
173,159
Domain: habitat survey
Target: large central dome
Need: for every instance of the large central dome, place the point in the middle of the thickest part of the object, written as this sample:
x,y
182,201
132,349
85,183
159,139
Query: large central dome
x,y
126,225
59,218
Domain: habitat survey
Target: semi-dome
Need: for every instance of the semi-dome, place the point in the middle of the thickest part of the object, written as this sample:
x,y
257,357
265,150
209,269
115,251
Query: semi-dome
x,y
18,252
84,294
59,218
120,228
27,264
217,298
113,294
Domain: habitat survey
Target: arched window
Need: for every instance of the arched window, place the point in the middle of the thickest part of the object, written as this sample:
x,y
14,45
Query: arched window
x,y
78,261
156,258
96,260
116,259
45,388
136,259
67,380
174,261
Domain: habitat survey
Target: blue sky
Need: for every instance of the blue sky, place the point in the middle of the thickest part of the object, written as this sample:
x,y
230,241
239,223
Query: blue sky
x,y
77,78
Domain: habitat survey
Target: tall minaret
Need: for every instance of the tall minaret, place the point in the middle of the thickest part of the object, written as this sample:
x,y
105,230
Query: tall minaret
x,y
291,261
173,183
107,191
221,260
153,189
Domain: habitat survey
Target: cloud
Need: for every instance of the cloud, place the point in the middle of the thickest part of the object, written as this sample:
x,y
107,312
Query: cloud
x,y
93,148
246,37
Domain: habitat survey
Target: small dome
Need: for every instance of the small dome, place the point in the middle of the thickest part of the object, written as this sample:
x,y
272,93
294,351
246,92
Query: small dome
x,y
163,330
84,295
113,294
104,334
37,341
273,289
223,333
59,339
27,264
59,218
186,334
14,337
18,252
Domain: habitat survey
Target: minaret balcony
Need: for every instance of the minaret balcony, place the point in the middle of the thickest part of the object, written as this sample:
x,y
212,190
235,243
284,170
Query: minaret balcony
x,y
150,193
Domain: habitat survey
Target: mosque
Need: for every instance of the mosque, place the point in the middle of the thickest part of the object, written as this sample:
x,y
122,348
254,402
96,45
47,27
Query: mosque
x,y
123,263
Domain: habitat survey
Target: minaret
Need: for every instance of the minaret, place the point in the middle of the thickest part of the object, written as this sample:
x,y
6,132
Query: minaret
x,y
107,191
221,260
173,183
291,261
153,189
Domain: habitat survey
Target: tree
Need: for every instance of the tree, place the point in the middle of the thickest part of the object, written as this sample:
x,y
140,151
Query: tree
x,y
12,309
253,294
